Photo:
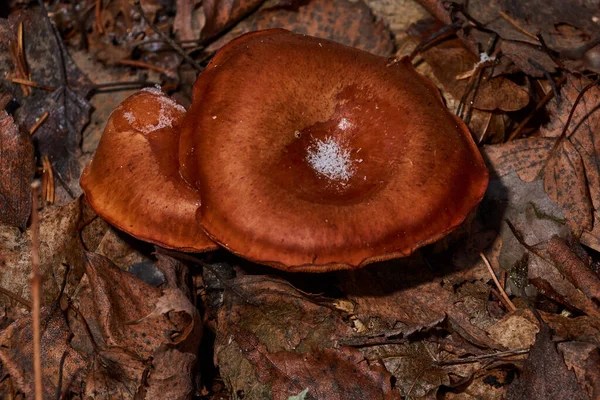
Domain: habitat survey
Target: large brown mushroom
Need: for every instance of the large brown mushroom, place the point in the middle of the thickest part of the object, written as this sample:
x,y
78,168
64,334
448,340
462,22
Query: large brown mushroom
x,y
307,155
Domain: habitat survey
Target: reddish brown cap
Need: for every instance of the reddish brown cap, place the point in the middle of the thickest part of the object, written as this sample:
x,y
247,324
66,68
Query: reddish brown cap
x,y
314,156
133,181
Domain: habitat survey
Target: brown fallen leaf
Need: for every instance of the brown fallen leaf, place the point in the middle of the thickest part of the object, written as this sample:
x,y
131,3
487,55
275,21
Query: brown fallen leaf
x,y
544,275
17,167
565,26
130,330
450,59
545,375
68,110
60,251
570,165
414,303
274,341
59,359
324,373
348,22
584,359
189,21
221,14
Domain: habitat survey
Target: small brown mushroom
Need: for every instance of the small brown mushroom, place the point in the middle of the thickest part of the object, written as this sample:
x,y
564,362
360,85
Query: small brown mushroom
x,y
307,155
133,181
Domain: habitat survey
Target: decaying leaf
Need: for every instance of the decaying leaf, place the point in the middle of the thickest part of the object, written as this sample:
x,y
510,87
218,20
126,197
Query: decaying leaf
x,y
59,136
348,22
59,358
220,14
17,167
545,375
272,339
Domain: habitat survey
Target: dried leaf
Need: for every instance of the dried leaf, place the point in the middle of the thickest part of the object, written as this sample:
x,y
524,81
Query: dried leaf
x,y
17,167
451,58
129,336
272,339
60,135
221,14
348,22
545,375
188,21
404,306
58,358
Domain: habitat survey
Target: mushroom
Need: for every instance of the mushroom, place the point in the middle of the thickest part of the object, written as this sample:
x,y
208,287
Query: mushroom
x,y
133,181
298,153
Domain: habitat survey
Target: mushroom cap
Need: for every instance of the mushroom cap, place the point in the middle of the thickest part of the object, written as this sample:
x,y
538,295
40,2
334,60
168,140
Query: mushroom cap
x,y
133,181
313,156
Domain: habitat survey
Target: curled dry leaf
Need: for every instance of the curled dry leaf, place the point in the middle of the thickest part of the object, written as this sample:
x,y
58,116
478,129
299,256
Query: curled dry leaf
x,y
348,22
274,341
17,167
125,331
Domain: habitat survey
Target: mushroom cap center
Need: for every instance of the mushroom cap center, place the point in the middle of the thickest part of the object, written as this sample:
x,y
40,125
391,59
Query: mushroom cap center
x,y
334,161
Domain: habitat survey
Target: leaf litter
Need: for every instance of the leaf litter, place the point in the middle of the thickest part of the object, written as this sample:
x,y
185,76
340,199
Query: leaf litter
x,y
215,326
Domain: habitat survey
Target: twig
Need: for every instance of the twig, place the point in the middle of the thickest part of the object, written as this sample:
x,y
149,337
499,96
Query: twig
x,y
516,25
36,289
16,297
97,17
47,180
433,37
39,123
167,39
31,83
141,64
507,301
500,354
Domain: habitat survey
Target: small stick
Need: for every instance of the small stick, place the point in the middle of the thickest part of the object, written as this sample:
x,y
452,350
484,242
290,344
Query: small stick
x,y
141,64
48,185
517,26
36,289
39,123
16,297
97,16
509,303
28,82
500,354
22,67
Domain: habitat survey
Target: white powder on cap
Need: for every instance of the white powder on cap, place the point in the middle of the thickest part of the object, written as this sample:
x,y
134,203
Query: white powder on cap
x,y
167,114
330,159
